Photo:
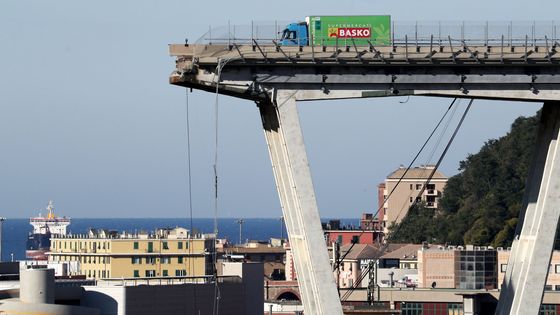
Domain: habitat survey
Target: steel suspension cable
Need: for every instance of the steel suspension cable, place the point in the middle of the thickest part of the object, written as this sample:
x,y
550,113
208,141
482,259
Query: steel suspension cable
x,y
337,265
441,157
362,276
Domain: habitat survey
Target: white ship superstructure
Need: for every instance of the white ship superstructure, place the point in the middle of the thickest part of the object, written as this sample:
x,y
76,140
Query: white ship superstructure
x,y
50,223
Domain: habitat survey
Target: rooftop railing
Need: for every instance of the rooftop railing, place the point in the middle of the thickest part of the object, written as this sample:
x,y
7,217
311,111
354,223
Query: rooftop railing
x,y
109,282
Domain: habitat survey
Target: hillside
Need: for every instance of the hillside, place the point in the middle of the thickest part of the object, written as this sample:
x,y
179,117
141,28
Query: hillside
x,y
481,204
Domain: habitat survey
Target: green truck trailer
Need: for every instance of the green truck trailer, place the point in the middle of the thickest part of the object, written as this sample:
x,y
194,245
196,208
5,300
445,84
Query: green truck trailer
x,y
339,30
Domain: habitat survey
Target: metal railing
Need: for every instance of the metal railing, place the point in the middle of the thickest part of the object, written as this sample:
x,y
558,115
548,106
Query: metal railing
x,y
166,280
412,33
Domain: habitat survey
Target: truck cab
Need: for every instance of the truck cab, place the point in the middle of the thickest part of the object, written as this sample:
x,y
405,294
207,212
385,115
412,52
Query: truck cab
x,y
295,34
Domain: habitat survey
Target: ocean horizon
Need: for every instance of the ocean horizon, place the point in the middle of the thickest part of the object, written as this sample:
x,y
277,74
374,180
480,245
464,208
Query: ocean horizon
x,y
16,230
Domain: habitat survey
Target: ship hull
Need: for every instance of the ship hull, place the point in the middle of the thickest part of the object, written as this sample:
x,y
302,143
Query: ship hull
x,y
37,246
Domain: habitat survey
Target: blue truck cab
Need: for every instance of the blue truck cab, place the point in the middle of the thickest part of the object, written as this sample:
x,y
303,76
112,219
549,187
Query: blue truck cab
x,y
295,34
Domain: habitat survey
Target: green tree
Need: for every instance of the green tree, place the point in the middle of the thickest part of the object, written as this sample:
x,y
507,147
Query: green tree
x,y
481,204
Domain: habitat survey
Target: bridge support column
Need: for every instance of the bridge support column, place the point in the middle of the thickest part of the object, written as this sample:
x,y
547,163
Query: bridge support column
x,y
528,265
299,206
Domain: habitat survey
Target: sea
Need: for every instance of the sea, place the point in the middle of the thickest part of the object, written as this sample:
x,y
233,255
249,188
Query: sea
x,y
15,231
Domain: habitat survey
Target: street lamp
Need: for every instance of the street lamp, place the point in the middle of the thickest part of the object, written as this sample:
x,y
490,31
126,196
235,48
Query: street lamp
x,y
282,228
2,219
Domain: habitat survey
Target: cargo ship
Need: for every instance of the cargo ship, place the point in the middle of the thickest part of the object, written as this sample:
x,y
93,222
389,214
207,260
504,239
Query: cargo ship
x,y
39,241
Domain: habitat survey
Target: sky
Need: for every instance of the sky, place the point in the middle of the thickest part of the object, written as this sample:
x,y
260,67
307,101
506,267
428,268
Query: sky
x,y
89,120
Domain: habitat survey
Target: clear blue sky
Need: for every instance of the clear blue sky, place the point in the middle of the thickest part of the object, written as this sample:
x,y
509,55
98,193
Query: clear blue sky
x,y
88,119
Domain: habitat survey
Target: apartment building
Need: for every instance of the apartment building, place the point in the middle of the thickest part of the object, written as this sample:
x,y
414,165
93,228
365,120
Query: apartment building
x,y
108,254
413,187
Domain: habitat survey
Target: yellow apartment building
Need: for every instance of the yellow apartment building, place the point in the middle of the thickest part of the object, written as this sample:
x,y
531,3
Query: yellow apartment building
x,y
107,254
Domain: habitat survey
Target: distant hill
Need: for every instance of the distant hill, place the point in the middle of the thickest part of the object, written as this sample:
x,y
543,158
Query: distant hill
x,y
481,204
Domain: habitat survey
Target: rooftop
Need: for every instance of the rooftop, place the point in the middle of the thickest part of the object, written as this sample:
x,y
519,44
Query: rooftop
x,y
419,172
161,233
407,251
360,251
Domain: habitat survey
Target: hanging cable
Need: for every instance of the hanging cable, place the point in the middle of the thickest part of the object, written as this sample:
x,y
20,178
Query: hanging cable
x,y
221,64
442,156
431,155
416,201
215,251
190,207
337,265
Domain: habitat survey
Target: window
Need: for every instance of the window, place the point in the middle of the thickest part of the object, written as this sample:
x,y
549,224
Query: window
x,y
503,267
410,199
556,268
454,309
547,309
150,260
548,287
339,239
355,239
180,245
180,272
135,245
108,260
150,247
418,186
557,288
136,260
411,308
187,245
150,273
165,274
410,186
136,273
180,259
165,260
165,246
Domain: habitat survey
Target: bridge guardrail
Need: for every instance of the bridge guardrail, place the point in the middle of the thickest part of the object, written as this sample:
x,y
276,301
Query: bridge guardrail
x,y
413,33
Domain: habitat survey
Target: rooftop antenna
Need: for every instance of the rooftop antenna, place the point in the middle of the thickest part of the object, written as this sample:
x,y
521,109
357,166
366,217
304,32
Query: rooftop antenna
x,y
50,208
240,222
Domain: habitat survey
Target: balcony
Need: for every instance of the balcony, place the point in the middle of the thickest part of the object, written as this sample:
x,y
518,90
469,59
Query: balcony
x,y
431,192
431,205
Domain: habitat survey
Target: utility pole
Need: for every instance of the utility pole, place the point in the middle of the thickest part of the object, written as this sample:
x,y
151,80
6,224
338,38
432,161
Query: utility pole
x,y
372,267
2,219
240,222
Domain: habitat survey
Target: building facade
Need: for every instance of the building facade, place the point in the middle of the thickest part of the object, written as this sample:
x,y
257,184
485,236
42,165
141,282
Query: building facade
x,y
166,253
458,267
552,280
368,232
413,187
